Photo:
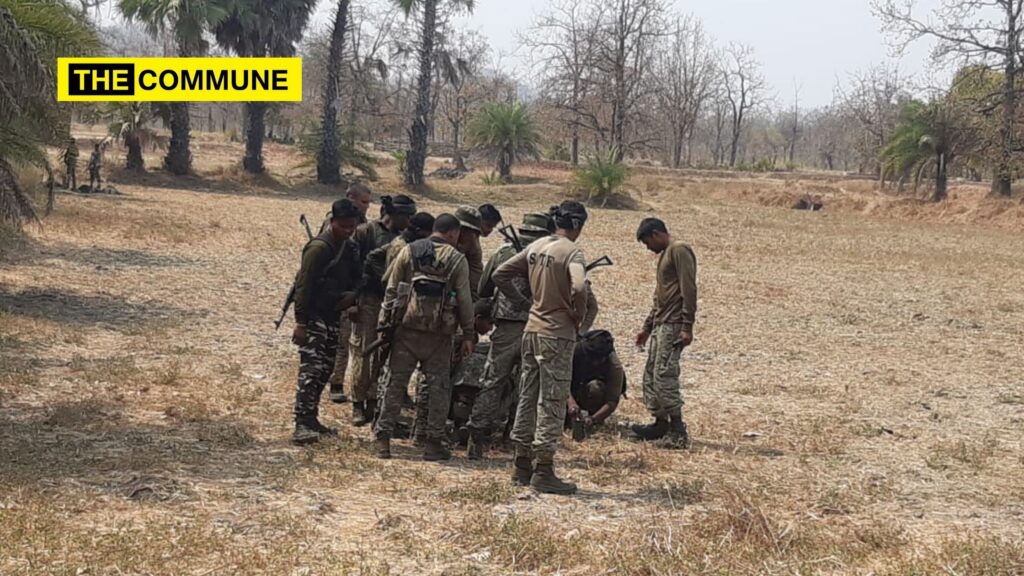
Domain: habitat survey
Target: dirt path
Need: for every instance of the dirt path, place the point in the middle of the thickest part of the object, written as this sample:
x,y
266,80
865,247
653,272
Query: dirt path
x,y
856,388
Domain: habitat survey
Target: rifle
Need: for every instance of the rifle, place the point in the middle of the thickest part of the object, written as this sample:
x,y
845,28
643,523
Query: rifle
x,y
393,313
510,234
600,262
291,293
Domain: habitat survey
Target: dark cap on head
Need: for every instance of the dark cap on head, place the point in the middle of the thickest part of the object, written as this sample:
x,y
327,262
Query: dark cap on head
x,y
400,204
569,215
490,213
344,208
422,221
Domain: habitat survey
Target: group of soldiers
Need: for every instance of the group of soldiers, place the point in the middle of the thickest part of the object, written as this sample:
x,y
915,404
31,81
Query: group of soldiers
x,y
406,299
70,157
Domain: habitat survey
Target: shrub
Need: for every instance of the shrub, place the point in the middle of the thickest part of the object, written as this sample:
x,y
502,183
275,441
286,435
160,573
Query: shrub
x,y
601,176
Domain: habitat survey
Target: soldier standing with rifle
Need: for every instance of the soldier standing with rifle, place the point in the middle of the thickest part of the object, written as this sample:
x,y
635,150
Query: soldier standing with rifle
x,y
439,301
324,285
668,329
506,347
557,274
395,215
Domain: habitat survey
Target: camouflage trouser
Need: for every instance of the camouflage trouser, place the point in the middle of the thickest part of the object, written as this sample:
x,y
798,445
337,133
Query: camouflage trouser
x,y
316,361
363,372
543,391
661,375
422,390
341,358
432,354
491,404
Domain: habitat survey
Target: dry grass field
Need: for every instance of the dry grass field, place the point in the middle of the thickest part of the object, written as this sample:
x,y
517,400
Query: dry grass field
x,y
856,392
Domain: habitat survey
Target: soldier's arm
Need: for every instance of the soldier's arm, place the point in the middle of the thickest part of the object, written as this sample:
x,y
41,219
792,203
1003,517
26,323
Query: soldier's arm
x,y
487,288
686,268
315,258
399,271
578,281
614,380
516,267
475,260
464,300
592,310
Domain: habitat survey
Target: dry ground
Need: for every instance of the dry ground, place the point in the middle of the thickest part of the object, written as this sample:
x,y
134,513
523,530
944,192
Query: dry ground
x,y
856,390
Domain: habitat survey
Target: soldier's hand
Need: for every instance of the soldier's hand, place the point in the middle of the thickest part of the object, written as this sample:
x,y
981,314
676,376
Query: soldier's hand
x,y
299,335
467,348
684,340
574,409
641,339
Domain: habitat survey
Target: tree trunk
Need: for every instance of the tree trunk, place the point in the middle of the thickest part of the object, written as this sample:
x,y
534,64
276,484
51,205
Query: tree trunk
x,y
416,158
254,131
134,145
505,166
574,148
1003,177
328,158
941,177
179,154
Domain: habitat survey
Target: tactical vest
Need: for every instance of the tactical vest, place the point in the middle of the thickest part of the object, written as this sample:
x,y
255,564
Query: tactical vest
x,y
337,278
504,309
432,304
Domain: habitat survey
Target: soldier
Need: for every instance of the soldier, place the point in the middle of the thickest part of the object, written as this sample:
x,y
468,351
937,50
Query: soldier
x,y
324,286
557,274
71,164
469,244
395,215
439,301
468,374
669,328
359,195
598,379
95,163
490,218
497,387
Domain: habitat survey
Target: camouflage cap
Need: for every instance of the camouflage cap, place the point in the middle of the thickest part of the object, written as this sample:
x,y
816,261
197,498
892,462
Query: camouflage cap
x,y
469,217
536,223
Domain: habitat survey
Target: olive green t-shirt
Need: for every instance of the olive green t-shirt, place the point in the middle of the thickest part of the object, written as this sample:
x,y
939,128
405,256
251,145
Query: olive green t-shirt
x,y
675,295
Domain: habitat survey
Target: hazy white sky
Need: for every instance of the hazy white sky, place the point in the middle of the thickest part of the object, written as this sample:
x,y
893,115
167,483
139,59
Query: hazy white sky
x,y
813,42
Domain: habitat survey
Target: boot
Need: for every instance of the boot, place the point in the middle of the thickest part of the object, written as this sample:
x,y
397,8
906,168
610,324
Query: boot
x,y
648,432
371,410
478,444
304,434
359,418
419,440
435,451
321,429
544,479
678,436
383,445
338,395
522,473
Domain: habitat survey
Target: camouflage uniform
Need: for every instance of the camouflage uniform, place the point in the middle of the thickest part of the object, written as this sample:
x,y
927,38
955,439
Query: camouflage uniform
x,y
662,394
440,301
71,164
467,380
363,372
95,163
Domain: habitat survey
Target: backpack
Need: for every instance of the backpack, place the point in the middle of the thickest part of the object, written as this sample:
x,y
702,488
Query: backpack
x,y
432,302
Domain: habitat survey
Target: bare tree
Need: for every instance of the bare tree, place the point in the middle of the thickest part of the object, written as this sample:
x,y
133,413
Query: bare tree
x,y
744,88
985,32
790,126
873,98
685,72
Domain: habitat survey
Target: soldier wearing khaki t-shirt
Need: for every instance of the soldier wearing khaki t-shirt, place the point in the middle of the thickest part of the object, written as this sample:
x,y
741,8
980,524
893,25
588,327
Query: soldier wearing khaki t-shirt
x,y
668,329
556,272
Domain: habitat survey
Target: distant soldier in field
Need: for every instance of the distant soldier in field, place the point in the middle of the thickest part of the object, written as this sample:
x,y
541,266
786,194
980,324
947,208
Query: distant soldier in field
x,y
325,285
557,274
498,387
668,329
598,380
438,304
95,164
359,195
490,218
469,244
70,157
395,215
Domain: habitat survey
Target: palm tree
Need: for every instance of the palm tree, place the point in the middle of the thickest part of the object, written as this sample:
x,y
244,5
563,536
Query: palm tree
x,y
601,176
328,162
416,157
33,33
188,20
924,138
262,28
506,132
130,126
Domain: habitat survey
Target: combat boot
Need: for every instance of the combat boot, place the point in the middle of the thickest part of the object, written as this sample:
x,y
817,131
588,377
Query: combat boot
x,y
648,432
338,395
522,473
544,479
323,430
383,445
435,451
478,444
304,434
678,436
359,418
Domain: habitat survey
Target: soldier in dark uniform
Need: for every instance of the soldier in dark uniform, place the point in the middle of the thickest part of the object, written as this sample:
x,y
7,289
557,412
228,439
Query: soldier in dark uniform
x,y
325,285
598,380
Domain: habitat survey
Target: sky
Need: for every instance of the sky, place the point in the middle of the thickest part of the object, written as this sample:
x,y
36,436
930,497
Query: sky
x,y
807,43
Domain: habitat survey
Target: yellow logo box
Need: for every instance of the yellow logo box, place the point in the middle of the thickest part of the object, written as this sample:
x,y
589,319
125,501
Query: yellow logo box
x,y
179,79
